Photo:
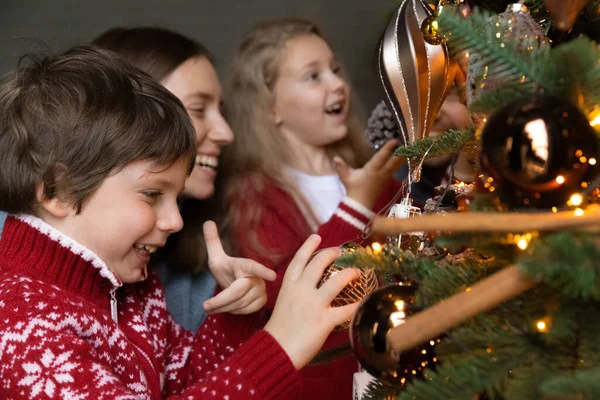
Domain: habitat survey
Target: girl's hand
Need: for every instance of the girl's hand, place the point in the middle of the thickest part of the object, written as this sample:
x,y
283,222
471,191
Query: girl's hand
x,y
303,316
366,184
240,278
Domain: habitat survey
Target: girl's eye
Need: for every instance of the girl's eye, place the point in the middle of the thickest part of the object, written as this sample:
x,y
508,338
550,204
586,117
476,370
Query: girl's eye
x,y
313,76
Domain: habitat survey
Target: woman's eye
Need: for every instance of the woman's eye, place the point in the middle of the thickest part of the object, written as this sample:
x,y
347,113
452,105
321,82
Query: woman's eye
x,y
198,111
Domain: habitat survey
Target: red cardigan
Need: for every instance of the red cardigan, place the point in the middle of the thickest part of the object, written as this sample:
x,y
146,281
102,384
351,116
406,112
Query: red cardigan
x,y
281,229
59,338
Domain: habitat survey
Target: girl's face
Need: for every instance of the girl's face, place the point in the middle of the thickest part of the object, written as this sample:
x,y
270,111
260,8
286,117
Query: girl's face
x,y
311,98
196,84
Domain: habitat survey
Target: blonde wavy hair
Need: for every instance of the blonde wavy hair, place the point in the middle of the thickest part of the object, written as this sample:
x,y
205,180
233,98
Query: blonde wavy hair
x,y
260,152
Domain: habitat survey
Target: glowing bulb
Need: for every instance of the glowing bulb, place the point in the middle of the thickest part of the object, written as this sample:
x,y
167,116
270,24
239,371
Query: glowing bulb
x,y
522,244
377,248
592,161
554,209
399,304
595,117
578,212
541,326
560,179
575,200
582,160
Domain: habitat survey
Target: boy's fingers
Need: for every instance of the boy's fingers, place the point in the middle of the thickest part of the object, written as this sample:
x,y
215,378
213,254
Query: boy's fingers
x,y
213,242
298,263
314,270
246,267
227,297
254,306
339,315
337,282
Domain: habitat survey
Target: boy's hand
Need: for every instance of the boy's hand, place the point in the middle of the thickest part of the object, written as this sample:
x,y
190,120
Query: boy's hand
x,y
241,279
365,184
303,316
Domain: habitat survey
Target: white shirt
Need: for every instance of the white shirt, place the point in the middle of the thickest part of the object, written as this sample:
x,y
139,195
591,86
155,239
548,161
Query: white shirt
x,y
323,192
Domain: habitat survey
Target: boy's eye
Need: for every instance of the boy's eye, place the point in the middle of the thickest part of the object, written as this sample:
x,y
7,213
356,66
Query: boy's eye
x,y
152,194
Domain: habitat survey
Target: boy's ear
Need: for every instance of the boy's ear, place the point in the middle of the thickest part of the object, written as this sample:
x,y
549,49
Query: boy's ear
x,y
54,205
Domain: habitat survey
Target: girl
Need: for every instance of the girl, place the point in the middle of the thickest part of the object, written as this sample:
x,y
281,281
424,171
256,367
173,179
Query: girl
x,y
293,166
185,68
93,156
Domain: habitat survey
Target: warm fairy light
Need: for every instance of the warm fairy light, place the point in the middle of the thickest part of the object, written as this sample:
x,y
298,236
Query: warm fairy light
x,y
468,289
592,161
377,248
522,241
402,381
423,351
585,184
582,160
595,117
431,342
522,244
578,153
488,350
578,212
560,179
542,325
554,209
399,304
575,200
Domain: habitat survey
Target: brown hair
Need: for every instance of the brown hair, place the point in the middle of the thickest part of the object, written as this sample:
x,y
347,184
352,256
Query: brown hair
x,y
259,150
158,52
68,121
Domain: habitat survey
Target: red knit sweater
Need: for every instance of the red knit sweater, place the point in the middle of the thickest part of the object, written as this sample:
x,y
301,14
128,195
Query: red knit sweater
x,y
58,338
281,230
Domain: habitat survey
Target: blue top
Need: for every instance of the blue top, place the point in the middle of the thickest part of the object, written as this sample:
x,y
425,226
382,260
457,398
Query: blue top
x,y
2,219
185,293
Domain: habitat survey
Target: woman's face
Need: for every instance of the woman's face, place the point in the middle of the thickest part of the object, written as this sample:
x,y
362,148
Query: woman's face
x,y
196,84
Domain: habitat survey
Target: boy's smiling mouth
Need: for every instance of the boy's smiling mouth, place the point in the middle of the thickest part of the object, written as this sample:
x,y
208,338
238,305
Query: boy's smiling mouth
x,y
145,248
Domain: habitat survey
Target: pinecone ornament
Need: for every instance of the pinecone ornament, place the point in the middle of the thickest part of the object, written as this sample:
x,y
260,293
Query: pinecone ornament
x,y
381,126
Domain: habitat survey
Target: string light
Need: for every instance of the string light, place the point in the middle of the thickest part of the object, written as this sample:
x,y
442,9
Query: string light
x,y
595,118
579,212
575,200
377,248
560,179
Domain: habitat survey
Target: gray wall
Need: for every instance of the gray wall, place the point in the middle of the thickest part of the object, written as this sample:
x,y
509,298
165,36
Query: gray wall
x,y
353,26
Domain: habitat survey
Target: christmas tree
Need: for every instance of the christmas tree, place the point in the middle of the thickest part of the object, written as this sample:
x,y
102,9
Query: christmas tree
x,y
495,291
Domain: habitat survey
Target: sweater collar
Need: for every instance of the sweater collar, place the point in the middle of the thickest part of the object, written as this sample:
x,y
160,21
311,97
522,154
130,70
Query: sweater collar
x,y
37,250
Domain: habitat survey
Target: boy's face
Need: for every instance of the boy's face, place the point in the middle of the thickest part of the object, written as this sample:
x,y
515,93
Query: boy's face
x,y
130,215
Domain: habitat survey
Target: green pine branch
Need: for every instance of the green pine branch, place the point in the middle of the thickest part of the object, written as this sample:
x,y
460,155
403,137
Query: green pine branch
x,y
484,39
447,143
567,262
577,385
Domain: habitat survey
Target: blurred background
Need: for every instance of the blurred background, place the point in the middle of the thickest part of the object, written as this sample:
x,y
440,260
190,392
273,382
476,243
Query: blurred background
x,y
353,27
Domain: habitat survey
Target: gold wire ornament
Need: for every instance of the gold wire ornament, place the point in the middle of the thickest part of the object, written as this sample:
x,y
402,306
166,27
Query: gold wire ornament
x,y
356,290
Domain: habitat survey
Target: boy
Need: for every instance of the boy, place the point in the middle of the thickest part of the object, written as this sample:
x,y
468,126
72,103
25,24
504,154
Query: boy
x,y
93,155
